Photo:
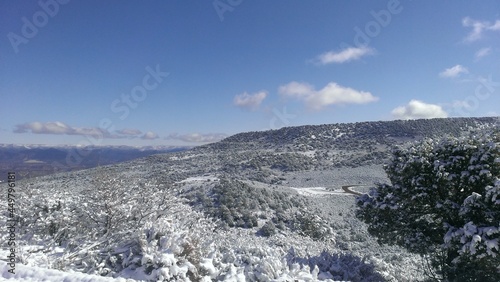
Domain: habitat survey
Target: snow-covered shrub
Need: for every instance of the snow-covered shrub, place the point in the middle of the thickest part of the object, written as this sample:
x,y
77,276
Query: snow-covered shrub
x,y
442,203
237,204
338,266
314,226
268,229
166,249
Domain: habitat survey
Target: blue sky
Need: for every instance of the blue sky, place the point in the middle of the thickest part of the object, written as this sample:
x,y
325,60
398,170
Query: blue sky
x,y
190,72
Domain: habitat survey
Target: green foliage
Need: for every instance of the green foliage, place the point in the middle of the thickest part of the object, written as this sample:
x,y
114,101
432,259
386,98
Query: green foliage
x,y
313,226
443,202
268,229
238,204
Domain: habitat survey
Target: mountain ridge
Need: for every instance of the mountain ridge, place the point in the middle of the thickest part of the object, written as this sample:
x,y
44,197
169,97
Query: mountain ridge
x,y
398,128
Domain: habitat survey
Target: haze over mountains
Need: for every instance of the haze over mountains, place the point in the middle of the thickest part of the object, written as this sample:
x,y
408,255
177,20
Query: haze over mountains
x,y
38,160
256,206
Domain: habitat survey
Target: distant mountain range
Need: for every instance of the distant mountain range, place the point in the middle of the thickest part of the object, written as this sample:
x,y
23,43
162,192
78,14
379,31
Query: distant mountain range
x,y
38,160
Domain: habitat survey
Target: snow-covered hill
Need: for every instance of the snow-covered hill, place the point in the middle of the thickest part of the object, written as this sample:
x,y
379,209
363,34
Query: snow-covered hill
x,y
253,207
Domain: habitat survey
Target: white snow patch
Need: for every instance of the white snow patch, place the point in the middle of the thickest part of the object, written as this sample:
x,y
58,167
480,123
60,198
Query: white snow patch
x,y
318,191
203,178
308,153
185,157
32,273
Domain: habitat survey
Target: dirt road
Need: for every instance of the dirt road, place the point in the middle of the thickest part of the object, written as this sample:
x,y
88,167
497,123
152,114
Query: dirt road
x,y
347,189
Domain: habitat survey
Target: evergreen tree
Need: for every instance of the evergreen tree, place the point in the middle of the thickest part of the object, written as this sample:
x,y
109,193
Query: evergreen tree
x,y
443,203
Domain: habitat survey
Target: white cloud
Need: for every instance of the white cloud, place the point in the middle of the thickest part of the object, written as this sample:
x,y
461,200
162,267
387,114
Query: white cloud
x,y
57,128
453,71
417,110
52,127
93,131
249,101
482,53
346,55
297,90
149,136
60,128
198,137
478,28
129,132
331,94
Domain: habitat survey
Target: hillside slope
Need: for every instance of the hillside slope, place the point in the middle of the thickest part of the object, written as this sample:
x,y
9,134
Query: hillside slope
x,y
259,206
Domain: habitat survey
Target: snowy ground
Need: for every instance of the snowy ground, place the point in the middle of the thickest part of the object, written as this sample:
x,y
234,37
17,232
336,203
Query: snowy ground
x,y
319,191
204,178
336,178
232,249
308,153
184,157
32,273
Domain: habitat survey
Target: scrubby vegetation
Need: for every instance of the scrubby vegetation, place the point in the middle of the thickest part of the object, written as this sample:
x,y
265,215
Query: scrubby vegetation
x,y
143,230
268,207
238,204
443,203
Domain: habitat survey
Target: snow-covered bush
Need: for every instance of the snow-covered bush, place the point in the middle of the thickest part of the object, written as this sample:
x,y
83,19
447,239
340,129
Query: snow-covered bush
x,y
164,249
268,229
338,266
444,203
238,204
